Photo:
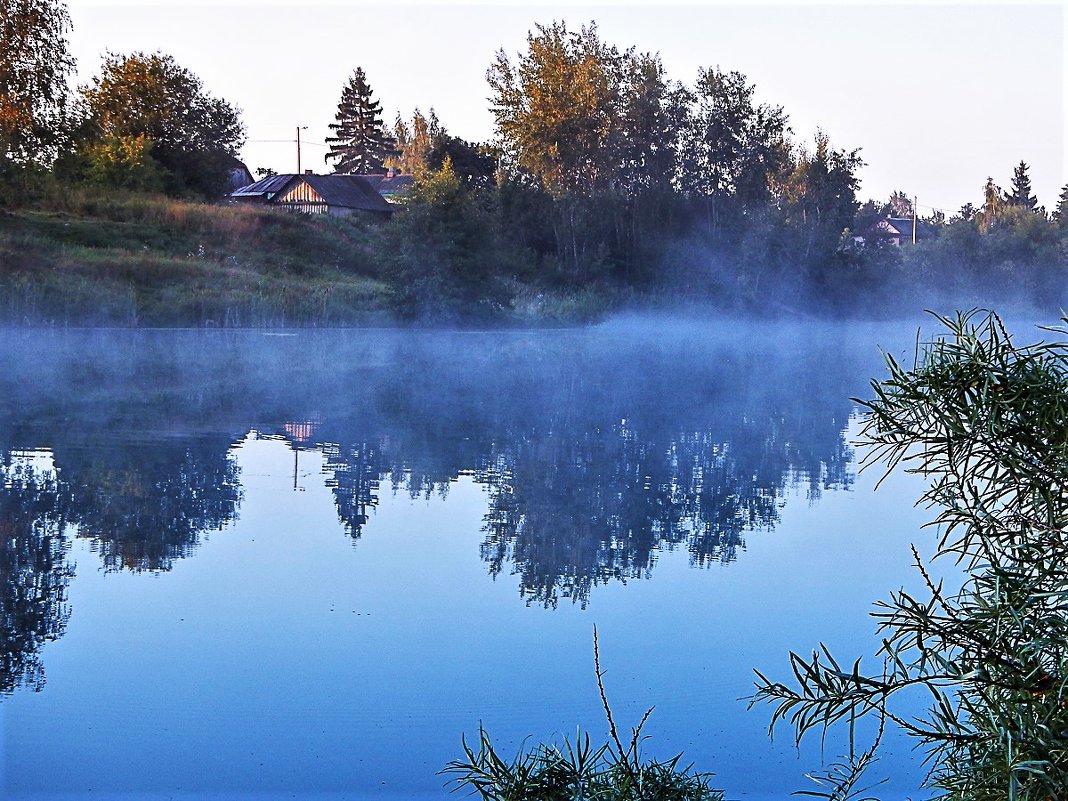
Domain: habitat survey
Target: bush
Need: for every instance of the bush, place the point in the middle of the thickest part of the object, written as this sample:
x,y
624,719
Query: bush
x,y
987,422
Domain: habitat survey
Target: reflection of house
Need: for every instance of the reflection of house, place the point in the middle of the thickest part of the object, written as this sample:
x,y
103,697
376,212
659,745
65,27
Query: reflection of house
x,y
300,432
337,195
895,231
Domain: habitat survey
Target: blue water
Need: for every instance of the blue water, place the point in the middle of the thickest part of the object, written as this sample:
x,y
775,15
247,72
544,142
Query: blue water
x,y
304,566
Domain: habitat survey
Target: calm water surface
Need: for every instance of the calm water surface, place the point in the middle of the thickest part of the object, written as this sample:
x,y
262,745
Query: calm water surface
x,y
303,565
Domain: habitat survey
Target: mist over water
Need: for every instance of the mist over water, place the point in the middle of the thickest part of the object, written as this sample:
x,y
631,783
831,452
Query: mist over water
x,y
308,561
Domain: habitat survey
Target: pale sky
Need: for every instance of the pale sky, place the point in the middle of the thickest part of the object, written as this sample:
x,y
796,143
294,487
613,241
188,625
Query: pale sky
x,y
937,97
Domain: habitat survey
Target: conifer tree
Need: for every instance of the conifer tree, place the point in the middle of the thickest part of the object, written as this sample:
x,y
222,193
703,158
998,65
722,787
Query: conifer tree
x,y
1060,215
360,143
1020,194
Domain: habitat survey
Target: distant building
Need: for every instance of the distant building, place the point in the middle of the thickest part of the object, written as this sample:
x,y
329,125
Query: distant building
x,y
894,231
393,186
336,195
262,191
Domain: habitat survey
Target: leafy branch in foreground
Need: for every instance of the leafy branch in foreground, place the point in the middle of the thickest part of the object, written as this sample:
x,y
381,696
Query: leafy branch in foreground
x,y
987,422
575,771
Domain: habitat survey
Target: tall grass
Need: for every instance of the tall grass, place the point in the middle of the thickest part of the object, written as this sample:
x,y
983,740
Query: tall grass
x,y
577,771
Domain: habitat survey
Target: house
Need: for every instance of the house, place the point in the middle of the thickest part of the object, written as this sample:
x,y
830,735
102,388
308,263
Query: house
x,y
262,191
393,186
336,195
894,231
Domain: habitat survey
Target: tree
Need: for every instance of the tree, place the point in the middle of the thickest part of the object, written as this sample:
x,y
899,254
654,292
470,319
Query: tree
x,y
1060,215
819,197
123,162
730,146
557,109
1020,194
413,143
993,206
446,260
474,164
193,135
33,80
900,204
984,421
360,144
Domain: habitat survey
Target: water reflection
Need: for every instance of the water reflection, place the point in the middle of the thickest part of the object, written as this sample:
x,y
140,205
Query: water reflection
x,y
145,507
596,452
34,571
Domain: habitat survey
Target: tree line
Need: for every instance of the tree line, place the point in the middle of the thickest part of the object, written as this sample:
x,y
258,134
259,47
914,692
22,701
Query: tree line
x,y
605,178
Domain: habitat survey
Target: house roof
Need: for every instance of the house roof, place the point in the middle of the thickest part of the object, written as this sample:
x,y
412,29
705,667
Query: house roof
x,y
388,185
343,191
889,227
265,187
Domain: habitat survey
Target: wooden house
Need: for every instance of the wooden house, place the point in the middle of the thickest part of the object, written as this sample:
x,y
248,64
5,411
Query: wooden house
x,y
337,195
261,191
894,231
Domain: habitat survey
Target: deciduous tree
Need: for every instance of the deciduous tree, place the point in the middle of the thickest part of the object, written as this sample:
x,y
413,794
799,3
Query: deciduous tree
x,y
194,136
557,109
34,66
731,146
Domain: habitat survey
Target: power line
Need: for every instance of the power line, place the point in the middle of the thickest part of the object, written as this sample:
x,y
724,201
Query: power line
x,y
283,141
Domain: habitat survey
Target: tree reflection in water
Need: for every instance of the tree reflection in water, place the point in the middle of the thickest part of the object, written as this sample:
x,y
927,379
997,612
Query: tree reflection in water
x,y
34,571
145,507
596,452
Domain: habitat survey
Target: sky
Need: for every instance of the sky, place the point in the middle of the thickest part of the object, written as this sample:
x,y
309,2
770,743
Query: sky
x,y
937,97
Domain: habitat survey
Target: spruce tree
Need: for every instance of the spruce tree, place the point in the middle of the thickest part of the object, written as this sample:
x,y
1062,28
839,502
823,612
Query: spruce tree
x,y
1020,194
1060,216
360,143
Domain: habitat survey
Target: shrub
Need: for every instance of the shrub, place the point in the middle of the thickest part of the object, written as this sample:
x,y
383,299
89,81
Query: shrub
x,y
987,422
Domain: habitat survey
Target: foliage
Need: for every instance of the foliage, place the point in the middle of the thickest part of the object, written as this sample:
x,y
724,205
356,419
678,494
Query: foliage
x,y
986,421
1020,194
123,162
1060,215
360,144
731,147
413,143
194,136
556,110
447,261
577,770
33,80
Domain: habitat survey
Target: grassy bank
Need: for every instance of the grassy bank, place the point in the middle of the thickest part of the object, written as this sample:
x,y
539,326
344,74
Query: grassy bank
x,y
146,260
92,258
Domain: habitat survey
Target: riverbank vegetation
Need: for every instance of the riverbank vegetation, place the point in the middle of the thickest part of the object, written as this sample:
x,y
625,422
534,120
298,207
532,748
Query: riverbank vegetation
x,y
974,670
985,421
607,183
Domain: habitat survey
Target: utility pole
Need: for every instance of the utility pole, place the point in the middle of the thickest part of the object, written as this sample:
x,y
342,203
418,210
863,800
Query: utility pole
x,y
914,219
299,129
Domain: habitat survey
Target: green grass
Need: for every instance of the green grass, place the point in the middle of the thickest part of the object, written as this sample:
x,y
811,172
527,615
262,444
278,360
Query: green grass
x,y
94,258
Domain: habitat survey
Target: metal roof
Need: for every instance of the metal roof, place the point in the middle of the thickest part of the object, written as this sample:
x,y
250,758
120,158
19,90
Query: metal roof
x,y
265,187
387,184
